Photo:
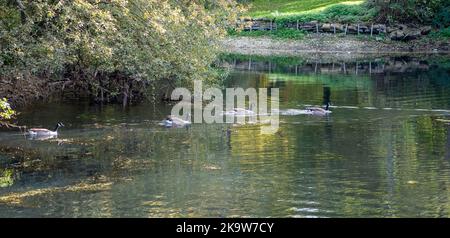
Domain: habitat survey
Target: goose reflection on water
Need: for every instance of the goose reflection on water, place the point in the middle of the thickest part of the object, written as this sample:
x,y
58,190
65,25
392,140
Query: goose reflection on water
x,y
318,111
240,111
40,137
173,121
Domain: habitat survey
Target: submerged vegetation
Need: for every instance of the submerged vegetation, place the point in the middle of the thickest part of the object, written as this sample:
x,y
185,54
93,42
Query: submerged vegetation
x,y
114,50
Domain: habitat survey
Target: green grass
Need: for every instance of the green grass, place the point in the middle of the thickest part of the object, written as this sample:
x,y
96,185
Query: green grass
x,y
343,11
284,8
439,35
443,33
281,33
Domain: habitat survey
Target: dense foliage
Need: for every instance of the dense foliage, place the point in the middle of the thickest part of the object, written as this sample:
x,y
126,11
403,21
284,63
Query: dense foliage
x,y
442,33
410,11
114,48
6,111
442,17
6,178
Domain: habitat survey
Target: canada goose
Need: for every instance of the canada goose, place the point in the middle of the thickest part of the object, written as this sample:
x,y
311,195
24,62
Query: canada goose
x,y
45,132
318,111
172,121
240,111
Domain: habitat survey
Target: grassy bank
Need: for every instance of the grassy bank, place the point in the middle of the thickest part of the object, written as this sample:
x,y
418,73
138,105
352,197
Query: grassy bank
x,y
282,33
311,10
436,12
287,12
283,11
284,8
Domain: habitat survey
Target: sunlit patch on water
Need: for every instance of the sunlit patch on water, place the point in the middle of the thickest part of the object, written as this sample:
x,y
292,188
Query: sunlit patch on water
x,y
18,198
304,209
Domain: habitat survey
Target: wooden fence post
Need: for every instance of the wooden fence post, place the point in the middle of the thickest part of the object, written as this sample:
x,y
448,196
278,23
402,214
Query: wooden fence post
x,y
317,28
358,29
346,26
297,24
371,29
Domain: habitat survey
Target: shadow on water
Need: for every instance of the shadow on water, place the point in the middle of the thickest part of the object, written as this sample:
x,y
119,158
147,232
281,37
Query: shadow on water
x,y
384,150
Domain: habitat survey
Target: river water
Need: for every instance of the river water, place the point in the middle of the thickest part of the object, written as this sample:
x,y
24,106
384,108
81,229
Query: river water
x,y
384,151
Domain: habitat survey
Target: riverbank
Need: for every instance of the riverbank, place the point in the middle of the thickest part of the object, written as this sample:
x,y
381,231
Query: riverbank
x,y
331,46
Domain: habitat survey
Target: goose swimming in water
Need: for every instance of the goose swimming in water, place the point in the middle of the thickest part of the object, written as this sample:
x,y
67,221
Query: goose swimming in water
x,y
172,121
38,132
318,111
240,111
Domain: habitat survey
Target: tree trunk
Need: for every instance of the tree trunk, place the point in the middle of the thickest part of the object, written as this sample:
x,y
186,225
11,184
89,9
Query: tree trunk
x,y
23,15
126,91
